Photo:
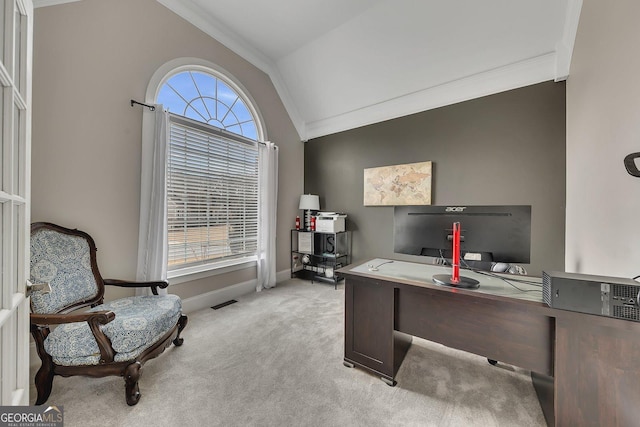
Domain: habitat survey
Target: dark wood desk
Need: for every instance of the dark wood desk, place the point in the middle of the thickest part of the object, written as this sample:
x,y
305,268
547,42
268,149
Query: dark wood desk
x,y
586,368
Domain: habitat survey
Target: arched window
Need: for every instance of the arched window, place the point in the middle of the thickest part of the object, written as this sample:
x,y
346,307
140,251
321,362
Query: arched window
x,y
212,167
209,99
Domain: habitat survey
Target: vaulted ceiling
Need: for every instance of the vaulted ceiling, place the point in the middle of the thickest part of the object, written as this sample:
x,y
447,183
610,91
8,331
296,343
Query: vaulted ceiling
x,y
341,64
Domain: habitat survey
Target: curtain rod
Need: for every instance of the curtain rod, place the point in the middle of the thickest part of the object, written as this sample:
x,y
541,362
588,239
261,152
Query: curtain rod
x,y
153,108
150,107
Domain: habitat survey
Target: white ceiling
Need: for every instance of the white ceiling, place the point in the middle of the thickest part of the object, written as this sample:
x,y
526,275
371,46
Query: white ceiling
x,y
340,64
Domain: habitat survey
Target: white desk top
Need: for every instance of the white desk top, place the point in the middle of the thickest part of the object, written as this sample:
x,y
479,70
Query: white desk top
x,y
508,285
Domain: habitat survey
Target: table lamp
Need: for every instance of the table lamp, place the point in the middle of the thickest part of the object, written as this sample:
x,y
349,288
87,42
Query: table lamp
x,y
308,203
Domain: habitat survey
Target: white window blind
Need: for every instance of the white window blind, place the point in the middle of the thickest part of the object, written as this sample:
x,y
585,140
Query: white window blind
x,y
212,194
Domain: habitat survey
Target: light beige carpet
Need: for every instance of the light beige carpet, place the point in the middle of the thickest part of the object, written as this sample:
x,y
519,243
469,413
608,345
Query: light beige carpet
x,y
275,359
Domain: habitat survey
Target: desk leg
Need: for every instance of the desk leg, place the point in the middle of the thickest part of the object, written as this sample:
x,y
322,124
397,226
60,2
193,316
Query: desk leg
x,y
401,344
370,340
390,383
544,387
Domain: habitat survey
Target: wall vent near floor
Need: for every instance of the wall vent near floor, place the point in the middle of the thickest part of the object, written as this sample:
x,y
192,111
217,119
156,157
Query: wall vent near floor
x,y
224,304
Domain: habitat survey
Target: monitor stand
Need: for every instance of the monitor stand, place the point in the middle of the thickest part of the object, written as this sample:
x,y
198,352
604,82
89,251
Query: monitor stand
x,y
462,282
455,280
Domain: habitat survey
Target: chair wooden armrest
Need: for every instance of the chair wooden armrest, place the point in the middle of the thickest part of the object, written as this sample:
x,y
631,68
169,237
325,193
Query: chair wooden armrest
x,y
101,317
154,285
94,319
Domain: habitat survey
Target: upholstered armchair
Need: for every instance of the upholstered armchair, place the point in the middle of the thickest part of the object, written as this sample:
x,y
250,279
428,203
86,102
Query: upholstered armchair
x,y
114,338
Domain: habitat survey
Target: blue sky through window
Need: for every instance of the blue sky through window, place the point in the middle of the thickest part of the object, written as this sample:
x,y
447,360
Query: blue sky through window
x,y
207,99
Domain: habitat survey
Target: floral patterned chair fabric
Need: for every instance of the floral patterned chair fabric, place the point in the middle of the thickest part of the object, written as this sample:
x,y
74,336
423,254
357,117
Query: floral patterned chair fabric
x,y
140,322
114,338
63,261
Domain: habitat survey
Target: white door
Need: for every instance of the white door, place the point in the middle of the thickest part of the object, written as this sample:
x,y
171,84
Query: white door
x,y
16,20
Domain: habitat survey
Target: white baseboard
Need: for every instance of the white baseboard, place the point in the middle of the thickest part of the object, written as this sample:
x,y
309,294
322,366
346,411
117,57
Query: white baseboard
x,y
43,3
218,296
283,275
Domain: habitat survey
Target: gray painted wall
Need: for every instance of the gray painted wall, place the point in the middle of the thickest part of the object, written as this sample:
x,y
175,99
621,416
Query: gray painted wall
x,y
503,149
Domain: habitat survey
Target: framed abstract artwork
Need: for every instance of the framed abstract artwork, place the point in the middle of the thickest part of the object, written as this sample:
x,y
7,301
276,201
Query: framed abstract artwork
x,y
408,184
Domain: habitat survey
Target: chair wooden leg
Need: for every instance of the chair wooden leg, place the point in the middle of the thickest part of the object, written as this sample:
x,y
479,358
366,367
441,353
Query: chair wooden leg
x,y
44,380
131,376
182,323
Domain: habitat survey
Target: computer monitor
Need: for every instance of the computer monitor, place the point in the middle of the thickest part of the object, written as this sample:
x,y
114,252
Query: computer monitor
x,y
488,233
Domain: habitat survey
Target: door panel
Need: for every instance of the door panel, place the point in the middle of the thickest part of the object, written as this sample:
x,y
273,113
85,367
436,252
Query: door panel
x,y
15,157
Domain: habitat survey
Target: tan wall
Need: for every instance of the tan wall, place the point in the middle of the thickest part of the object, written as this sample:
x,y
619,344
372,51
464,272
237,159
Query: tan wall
x,y
603,126
90,59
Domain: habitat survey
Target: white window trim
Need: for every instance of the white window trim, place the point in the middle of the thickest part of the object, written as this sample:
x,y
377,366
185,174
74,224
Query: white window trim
x,y
162,74
202,271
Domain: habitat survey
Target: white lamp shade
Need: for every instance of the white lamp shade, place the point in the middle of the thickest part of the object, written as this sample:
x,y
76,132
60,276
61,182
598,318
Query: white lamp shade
x,y
309,201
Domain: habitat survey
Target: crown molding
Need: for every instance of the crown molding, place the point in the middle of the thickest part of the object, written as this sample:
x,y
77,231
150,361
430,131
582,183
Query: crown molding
x,y
550,66
43,3
511,76
553,65
203,20
564,49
